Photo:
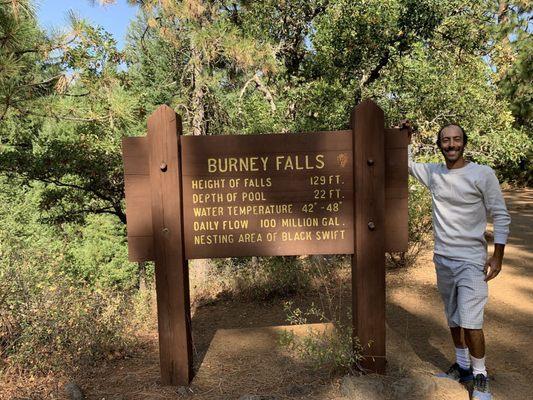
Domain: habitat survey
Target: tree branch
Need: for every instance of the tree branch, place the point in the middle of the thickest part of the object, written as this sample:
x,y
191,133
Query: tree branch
x,y
114,209
262,88
385,58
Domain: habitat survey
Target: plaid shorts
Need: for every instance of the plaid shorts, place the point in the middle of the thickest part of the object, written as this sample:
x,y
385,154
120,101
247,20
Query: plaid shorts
x,y
463,290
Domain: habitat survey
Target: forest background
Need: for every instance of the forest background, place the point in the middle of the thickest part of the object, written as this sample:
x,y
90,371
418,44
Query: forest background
x,y
68,294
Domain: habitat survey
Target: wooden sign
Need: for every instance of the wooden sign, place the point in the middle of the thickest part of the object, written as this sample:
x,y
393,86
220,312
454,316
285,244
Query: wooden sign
x,y
267,195
138,201
339,192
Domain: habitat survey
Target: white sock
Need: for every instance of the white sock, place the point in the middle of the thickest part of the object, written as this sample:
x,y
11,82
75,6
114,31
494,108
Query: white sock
x,y
478,365
462,357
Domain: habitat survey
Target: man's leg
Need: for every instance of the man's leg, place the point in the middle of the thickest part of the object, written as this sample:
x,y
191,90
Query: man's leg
x,y
446,283
475,340
458,337
472,297
476,343
462,354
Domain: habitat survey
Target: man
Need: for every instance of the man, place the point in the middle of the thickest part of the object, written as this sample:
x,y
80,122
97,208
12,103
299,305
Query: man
x,y
463,193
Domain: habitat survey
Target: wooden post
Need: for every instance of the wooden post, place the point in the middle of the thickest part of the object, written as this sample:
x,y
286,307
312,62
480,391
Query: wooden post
x,y
368,262
172,276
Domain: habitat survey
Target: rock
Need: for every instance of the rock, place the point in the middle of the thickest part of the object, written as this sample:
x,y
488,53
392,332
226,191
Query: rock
x,y
73,391
257,397
448,389
423,387
365,387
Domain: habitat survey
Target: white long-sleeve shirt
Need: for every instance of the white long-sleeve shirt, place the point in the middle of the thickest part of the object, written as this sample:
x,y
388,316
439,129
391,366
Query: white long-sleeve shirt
x,y
462,198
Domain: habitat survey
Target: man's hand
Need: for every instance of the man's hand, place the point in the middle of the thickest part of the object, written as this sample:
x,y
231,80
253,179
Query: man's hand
x,y
406,124
493,266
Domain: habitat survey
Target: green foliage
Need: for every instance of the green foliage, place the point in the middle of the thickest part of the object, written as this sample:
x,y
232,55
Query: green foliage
x,y
98,254
65,132
328,347
24,77
431,89
419,212
65,294
517,84
194,68
252,67
511,57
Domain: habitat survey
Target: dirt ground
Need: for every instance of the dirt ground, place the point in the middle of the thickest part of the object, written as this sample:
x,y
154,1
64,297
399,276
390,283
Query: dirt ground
x,y
414,315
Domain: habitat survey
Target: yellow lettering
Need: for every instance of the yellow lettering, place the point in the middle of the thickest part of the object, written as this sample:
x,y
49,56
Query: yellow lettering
x,y
320,161
236,224
250,238
212,165
264,160
232,164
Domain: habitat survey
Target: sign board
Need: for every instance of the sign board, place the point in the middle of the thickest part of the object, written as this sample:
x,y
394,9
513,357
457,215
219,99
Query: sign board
x,y
138,200
338,192
266,195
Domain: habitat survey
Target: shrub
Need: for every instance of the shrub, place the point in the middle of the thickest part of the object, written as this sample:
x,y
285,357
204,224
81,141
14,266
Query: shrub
x,y
57,312
249,278
331,348
49,323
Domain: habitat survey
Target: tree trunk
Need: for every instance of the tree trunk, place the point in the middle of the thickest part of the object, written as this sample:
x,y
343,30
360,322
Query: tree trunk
x,y
506,51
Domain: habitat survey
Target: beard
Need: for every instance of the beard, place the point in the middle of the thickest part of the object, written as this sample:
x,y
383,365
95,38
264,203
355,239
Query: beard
x,y
452,153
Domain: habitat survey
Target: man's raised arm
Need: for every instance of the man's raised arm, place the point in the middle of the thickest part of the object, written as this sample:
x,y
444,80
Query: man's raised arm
x,y
421,171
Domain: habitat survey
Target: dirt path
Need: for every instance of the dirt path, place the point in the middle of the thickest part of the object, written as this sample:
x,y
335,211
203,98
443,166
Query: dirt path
x,y
414,314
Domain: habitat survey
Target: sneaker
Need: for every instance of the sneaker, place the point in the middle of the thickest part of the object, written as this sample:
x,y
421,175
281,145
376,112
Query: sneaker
x,y
481,388
458,374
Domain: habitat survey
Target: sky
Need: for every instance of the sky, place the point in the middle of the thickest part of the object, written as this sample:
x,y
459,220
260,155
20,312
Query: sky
x,y
113,18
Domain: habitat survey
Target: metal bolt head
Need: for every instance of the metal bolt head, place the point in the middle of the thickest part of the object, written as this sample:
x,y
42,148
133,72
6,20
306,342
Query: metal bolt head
x,y
371,225
163,167
370,162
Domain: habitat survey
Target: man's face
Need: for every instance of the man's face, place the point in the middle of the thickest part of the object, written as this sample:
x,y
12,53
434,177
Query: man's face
x,y
452,143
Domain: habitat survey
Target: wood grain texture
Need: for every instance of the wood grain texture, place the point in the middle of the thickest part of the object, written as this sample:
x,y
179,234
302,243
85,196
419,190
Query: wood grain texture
x,y
138,201
135,155
368,263
396,138
140,248
396,190
138,197
397,232
172,279
288,185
